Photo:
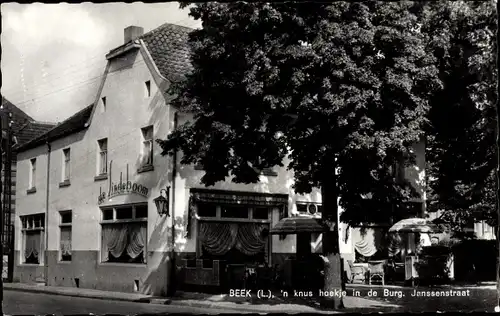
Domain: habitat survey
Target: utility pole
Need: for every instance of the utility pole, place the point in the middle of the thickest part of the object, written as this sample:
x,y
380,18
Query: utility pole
x,y
1,208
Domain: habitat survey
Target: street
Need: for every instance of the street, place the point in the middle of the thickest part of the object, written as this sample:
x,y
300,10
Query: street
x,y
478,298
21,303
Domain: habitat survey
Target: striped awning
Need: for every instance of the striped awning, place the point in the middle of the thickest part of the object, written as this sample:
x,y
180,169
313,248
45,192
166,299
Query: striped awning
x,y
415,225
298,224
234,197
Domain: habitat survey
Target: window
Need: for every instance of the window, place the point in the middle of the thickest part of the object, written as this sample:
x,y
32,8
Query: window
x,y
103,101
301,208
268,172
103,156
260,213
124,239
147,89
32,180
141,211
234,212
32,228
65,230
147,146
107,215
66,164
124,213
207,210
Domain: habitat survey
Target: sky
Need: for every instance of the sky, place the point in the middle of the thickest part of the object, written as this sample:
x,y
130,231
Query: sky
x,y
53,55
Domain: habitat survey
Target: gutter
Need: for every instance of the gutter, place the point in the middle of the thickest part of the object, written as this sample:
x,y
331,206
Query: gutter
x,y
46,255
174,176
173,265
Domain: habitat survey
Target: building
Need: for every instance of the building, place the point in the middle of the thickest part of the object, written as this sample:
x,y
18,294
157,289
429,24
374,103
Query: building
x,y
86,190
21,128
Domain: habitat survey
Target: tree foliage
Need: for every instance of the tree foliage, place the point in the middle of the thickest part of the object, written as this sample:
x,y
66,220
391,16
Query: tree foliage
x,y
461,143
332,86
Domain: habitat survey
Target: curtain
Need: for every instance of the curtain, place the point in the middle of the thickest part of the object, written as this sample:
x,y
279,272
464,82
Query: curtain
x,y
218,238
137,240
114,240
365,241
250,239
66,241
32,246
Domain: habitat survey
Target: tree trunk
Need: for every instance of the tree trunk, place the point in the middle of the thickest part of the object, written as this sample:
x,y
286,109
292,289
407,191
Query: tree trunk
x,y
332,297
497,152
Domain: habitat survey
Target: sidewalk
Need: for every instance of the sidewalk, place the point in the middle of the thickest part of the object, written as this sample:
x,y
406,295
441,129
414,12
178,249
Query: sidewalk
x,y
202,300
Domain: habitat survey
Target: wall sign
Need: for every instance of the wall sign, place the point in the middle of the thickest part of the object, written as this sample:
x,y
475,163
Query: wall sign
x,y
123,188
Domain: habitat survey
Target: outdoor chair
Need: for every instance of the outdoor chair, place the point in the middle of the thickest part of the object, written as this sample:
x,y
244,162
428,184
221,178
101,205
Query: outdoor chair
x,y
357,273
376,269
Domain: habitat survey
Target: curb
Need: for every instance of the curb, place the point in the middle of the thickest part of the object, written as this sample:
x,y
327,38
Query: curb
x,y
82,295
249,309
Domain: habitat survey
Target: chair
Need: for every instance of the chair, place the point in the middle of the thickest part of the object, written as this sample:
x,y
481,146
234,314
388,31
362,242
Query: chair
x,y
356,272
376,269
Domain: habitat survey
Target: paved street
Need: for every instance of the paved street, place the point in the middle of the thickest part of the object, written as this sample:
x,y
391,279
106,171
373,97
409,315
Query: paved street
x,y
20,303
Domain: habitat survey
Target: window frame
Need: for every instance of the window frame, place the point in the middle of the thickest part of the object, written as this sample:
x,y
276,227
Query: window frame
x,y
104,104
66,164
102,167
65,225
147,139
219,218
32,175
147,89
31,227
133,220
128,220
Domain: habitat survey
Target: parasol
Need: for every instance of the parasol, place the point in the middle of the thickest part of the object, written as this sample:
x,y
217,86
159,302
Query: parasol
x,y
415,225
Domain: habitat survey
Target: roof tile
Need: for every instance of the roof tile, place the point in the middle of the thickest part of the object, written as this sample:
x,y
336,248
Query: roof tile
x,y
168,46
74,124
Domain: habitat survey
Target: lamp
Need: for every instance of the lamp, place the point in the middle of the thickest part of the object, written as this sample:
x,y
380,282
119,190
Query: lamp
x,y
161,202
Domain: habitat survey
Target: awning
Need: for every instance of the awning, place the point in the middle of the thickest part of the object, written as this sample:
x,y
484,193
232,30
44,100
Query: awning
x,y
415,225
298,224
234,197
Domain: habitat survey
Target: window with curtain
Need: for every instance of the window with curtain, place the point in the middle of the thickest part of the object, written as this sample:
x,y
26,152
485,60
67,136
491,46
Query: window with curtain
x,y
66,164
147,146
234,242
65,235
124,234
103,156
32,236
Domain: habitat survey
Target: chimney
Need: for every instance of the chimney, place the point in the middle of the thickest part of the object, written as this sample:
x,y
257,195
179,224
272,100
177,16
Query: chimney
x,y
131,33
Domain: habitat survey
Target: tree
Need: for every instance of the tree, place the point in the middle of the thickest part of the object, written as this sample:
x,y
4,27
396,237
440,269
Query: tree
x,y
340,88
461,153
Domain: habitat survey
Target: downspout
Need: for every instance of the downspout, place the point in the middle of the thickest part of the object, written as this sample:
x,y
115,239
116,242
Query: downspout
x,y
173,284
46,254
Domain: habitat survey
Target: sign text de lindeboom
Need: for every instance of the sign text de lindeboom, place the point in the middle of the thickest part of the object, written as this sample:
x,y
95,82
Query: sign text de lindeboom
x,y
123,188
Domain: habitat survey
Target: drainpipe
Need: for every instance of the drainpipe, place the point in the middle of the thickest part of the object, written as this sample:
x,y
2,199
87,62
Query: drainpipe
x,y
172,284
46,254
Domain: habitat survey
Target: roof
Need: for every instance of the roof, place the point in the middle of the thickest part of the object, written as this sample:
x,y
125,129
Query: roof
x,y
17,113
31,130
168,46
24,127
74,124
